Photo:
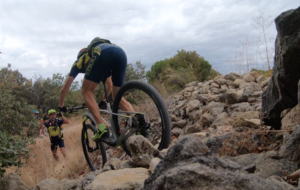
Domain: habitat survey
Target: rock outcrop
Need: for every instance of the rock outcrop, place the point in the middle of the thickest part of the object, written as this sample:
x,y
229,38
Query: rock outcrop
x,y
281,92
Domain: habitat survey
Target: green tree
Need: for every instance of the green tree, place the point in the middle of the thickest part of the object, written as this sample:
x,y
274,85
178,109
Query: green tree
x,y
15,114
182,68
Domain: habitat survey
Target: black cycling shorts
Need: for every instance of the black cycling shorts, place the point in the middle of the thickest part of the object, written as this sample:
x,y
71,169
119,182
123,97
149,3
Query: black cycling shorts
x,y
107,60
55,142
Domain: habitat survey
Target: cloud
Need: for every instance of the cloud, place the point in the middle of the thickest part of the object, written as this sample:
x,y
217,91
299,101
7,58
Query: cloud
x,y
44,37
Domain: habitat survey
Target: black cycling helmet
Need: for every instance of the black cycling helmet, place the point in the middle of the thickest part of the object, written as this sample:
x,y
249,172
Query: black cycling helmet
x,y
81,52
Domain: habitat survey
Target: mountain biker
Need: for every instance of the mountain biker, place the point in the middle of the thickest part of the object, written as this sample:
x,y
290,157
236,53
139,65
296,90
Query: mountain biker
x,y
36,116
53,125
98,61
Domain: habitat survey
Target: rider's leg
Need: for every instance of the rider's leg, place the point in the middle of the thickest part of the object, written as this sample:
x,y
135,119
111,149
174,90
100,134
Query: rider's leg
x,y
87,92
109,84
62,147
63,151
54,153
124,104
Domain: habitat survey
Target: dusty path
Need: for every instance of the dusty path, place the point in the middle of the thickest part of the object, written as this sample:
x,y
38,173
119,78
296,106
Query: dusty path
x,y
42,165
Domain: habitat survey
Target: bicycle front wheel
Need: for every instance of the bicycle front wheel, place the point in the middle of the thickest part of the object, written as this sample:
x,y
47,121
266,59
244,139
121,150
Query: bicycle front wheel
x,y
150,109
95,153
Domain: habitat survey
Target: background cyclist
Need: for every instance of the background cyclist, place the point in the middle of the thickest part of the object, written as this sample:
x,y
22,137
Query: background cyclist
x,y
53,125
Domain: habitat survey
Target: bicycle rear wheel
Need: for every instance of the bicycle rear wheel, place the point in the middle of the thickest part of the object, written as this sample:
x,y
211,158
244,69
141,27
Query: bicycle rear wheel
x,y
147,102
95,153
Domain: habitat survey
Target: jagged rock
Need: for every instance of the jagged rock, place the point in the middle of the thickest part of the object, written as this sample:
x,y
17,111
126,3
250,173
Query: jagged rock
x,y
284,112
207,119
216,143
142,151
290,150
13,182
153,164
237,82
265,83
204,136
249,78
215,85
221,81
254,74
241,107
214,108
231,97
129,178
282,88
64,184
197,127
176,132
292,118
298,93
179,124
220,120
188,166
248,95
233,76
213,98
215,91
89,178
193,105
250,86
246,115
174,118
117,164
263,165
241,122
197,115
194,83
203,91
261,79
224,87
189,89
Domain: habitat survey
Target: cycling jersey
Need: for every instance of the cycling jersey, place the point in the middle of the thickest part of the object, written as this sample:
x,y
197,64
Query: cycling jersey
x,y
107,60
54,128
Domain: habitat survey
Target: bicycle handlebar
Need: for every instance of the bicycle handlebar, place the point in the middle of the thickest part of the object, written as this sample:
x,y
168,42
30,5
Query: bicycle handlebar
x,y
74,109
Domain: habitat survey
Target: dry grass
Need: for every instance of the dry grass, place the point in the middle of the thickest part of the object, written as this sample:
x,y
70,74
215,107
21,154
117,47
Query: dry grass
x,y
250,141
41,164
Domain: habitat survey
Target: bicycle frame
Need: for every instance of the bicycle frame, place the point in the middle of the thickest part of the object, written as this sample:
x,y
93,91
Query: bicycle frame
x,y
114,140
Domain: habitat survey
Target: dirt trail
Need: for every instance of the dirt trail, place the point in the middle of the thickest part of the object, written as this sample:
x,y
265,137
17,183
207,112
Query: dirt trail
x,y
41,164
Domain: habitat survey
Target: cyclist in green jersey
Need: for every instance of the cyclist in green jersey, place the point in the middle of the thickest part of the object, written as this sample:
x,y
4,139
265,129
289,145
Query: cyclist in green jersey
x,y
53,125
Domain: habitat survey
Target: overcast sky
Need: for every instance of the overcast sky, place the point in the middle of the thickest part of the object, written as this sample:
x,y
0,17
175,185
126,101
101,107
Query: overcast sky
x,y
44,37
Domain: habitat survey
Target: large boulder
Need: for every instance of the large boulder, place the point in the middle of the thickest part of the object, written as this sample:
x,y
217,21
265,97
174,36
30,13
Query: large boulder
x,y
130,178
13,182
142,151
281,92
53,183
290,150
187,165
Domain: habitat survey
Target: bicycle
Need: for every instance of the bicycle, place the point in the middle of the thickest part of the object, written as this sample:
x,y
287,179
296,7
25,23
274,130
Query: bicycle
x,y
155,125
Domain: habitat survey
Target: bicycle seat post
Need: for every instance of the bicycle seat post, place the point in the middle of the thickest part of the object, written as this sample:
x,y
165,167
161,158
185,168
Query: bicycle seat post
x,y
106,96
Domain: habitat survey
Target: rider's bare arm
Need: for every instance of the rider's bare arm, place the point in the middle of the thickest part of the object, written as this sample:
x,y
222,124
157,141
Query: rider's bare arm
x,y
66,121
42,126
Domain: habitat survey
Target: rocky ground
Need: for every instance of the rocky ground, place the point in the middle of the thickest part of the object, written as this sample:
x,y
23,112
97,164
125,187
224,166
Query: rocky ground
x,y
218,142
222,134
